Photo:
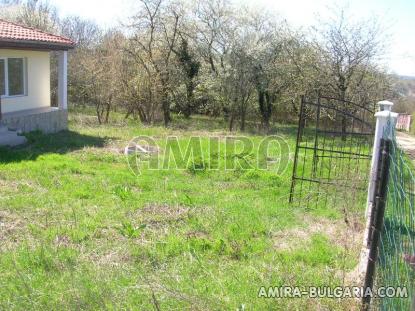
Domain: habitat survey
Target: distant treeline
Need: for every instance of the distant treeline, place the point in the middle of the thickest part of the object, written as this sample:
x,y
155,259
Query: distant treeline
x,y
213,58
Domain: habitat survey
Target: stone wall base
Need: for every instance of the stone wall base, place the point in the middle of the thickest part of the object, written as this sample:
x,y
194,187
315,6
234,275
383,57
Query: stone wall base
x,y
47,122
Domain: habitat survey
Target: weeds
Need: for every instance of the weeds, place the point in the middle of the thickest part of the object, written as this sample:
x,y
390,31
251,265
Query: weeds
x,y
78,230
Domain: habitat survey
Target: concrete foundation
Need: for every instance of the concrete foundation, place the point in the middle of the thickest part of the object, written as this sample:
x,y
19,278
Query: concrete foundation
x,y
10,138
47,120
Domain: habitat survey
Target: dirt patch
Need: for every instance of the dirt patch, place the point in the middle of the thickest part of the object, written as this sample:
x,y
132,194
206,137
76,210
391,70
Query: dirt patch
x,y
12,228
12,187
62,241
113,258
346,236
9,224
15,227
159,215
197,235
110,148
337,231
9,186
162,219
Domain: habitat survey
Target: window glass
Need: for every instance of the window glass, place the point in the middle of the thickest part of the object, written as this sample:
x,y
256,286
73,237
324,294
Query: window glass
x,y
2,78
16,76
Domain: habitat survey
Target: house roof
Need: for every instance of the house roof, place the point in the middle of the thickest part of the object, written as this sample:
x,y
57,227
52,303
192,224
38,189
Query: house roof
x,y
18,36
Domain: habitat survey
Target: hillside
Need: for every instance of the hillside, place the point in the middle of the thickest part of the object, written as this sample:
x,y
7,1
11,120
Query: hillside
x,y
405,88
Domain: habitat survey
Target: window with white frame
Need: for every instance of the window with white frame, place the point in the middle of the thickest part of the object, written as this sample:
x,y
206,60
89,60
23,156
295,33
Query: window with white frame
x,y
12,76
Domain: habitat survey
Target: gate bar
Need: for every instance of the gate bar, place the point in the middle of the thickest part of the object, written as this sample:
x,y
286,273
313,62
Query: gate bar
x,y
299,133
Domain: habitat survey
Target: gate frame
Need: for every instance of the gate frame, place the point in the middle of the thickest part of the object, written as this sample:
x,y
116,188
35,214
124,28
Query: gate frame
x,y
318,130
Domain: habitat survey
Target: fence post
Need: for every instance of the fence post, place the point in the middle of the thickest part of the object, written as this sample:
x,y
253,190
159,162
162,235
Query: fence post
x,y
383,116
378,213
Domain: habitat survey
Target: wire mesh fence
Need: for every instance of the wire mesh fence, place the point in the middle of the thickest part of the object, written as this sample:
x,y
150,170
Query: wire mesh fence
x,y
396,259
332,165
333,152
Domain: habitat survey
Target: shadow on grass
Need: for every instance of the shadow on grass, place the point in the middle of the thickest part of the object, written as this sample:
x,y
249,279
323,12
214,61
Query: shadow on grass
x,y
60,143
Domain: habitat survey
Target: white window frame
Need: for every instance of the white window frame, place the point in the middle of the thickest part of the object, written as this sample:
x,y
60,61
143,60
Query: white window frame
x,y
6,77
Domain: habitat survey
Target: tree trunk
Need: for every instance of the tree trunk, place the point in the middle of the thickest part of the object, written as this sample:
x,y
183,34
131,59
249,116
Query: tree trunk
x,y
243,117
344,119
265,108
165,104
212,64
99,112
130,111
231,120
143,117
190,100
166,110
107,112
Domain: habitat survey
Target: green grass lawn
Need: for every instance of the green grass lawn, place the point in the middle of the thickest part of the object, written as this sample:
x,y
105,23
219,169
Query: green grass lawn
x,y
79,229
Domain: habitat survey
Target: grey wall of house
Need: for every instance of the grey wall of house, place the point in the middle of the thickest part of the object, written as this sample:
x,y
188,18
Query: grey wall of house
x,y
47,122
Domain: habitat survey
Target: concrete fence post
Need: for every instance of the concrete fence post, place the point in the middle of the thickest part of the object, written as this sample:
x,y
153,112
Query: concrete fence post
x,y
385,123
384,118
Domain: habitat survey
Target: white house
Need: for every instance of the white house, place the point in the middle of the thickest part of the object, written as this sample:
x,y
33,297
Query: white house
x,y
25,79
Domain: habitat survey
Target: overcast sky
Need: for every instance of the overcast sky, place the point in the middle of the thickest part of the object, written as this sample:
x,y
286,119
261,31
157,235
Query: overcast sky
x,y
398,16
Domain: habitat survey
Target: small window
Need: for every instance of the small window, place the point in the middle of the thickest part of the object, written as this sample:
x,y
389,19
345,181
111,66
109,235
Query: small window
x,y
16,76
2,77
12,76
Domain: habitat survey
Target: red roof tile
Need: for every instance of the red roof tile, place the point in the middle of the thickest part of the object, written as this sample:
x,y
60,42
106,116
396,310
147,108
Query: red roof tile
x,y
17,33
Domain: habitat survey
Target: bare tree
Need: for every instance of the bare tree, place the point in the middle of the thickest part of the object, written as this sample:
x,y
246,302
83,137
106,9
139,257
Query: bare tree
x,y
214,26
33,13
84,32
99,75
349,51
156,28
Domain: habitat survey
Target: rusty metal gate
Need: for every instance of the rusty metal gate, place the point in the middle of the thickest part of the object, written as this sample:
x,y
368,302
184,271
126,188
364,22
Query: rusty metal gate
x,y
333,152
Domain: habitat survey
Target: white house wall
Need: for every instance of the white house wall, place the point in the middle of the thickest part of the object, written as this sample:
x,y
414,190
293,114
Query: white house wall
x,y
38,81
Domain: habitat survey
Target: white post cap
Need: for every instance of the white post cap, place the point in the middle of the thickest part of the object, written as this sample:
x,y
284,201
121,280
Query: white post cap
x,y
385,105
